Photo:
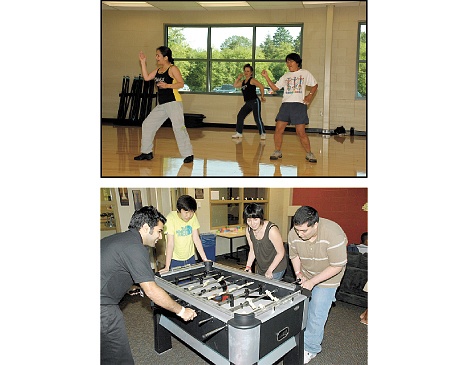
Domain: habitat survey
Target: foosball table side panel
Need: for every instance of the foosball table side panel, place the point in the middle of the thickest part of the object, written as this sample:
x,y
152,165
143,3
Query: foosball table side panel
x,y
192,342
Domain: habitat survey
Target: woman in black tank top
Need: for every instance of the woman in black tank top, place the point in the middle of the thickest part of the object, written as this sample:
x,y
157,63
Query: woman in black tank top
x,y
168,79
266,244
252,103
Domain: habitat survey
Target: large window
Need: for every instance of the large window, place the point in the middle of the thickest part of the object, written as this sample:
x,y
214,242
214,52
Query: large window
x,y
211,57
361,84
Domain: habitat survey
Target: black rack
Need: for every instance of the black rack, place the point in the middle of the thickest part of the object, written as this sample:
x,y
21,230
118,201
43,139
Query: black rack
x,y
135,105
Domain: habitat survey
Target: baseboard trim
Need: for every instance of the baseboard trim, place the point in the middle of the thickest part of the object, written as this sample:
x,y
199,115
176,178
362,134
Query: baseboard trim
x,y
129,123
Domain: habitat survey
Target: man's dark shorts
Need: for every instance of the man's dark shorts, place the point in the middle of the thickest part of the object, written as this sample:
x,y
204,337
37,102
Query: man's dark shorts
x,y
293,113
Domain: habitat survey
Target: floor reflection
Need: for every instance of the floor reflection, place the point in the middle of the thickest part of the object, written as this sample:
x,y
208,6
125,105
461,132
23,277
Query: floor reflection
x,y
217,155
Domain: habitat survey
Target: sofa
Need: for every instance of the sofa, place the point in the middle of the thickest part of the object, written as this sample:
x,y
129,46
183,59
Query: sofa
x,y
354,279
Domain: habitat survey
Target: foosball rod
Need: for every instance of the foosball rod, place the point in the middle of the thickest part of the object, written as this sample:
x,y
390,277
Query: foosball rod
x,y
231,290
247,302
190,288
192,278
246,293
217,288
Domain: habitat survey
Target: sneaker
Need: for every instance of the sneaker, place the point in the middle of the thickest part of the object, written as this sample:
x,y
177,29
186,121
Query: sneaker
x,y
263,136
308,356
188,159
144,156
310,157
237,135
276,155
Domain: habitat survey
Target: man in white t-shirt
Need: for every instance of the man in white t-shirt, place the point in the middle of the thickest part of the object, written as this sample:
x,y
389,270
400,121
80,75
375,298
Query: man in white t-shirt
x,y
293,109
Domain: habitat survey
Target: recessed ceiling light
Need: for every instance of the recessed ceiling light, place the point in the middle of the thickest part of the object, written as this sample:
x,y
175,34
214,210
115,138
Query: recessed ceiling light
x,y
130,4
320,2
219,4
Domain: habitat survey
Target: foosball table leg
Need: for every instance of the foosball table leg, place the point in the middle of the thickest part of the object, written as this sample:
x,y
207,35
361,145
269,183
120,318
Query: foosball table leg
x,y
162,337
296,355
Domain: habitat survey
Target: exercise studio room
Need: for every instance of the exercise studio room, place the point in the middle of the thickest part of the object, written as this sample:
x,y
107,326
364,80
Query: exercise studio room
x,y
233,89
234,276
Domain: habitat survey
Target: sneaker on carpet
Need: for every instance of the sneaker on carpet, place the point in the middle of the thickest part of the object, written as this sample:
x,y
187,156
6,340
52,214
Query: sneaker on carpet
x,y
276,155
263,136
237,135
308,356
310,157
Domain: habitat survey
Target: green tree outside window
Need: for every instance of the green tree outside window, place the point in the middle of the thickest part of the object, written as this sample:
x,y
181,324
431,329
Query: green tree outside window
x,y
207,67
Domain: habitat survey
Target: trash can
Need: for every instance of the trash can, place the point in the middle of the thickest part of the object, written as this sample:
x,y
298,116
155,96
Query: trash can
x,y
209,245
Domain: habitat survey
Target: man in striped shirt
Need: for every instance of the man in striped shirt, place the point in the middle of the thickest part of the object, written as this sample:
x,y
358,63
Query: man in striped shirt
x,y
317,249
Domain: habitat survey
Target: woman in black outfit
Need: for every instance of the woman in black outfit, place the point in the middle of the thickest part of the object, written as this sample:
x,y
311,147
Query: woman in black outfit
x,y
252,102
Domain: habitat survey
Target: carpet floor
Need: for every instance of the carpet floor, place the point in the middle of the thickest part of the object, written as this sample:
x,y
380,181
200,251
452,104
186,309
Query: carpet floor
x,y
344,343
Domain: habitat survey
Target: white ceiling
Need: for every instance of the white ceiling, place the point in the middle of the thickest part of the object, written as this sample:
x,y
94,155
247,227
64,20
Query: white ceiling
x,y
247,5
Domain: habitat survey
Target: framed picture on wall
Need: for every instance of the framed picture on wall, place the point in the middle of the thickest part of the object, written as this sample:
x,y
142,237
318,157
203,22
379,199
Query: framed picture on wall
x,y
199,194
137,199
123,193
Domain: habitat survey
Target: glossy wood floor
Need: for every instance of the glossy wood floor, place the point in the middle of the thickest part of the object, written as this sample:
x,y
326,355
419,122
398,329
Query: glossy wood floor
x,y
218,155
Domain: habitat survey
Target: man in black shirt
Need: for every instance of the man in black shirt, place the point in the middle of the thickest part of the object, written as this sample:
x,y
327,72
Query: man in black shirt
x,y
124,262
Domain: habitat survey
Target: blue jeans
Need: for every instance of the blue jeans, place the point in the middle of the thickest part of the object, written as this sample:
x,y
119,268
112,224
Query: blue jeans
x,y
176,263
319,306
278,275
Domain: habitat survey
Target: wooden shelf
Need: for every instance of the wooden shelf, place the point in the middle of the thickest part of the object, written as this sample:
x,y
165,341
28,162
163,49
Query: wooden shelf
x,y
231,215
109,206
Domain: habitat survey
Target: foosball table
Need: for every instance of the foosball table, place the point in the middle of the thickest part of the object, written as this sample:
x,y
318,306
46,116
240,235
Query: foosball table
x,y
242,318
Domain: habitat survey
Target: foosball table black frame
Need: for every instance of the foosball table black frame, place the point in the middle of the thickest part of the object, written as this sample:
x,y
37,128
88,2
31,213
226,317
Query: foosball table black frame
x,y
229,334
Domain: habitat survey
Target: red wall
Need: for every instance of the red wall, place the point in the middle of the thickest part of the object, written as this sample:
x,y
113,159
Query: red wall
x,y
341,205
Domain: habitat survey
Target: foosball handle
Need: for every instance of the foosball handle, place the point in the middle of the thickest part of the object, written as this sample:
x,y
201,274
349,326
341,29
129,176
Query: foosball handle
x,y
208,265
211,333
306,292
231,299
204,321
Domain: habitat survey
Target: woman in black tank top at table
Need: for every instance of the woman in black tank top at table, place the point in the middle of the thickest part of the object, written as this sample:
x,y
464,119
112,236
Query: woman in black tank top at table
x,y
252,102
266,244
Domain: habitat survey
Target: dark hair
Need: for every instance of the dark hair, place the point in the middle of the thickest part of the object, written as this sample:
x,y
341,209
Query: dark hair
x,y
186,202
305,214
363,237
294,57
148,215
248,65
253,210
166,51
